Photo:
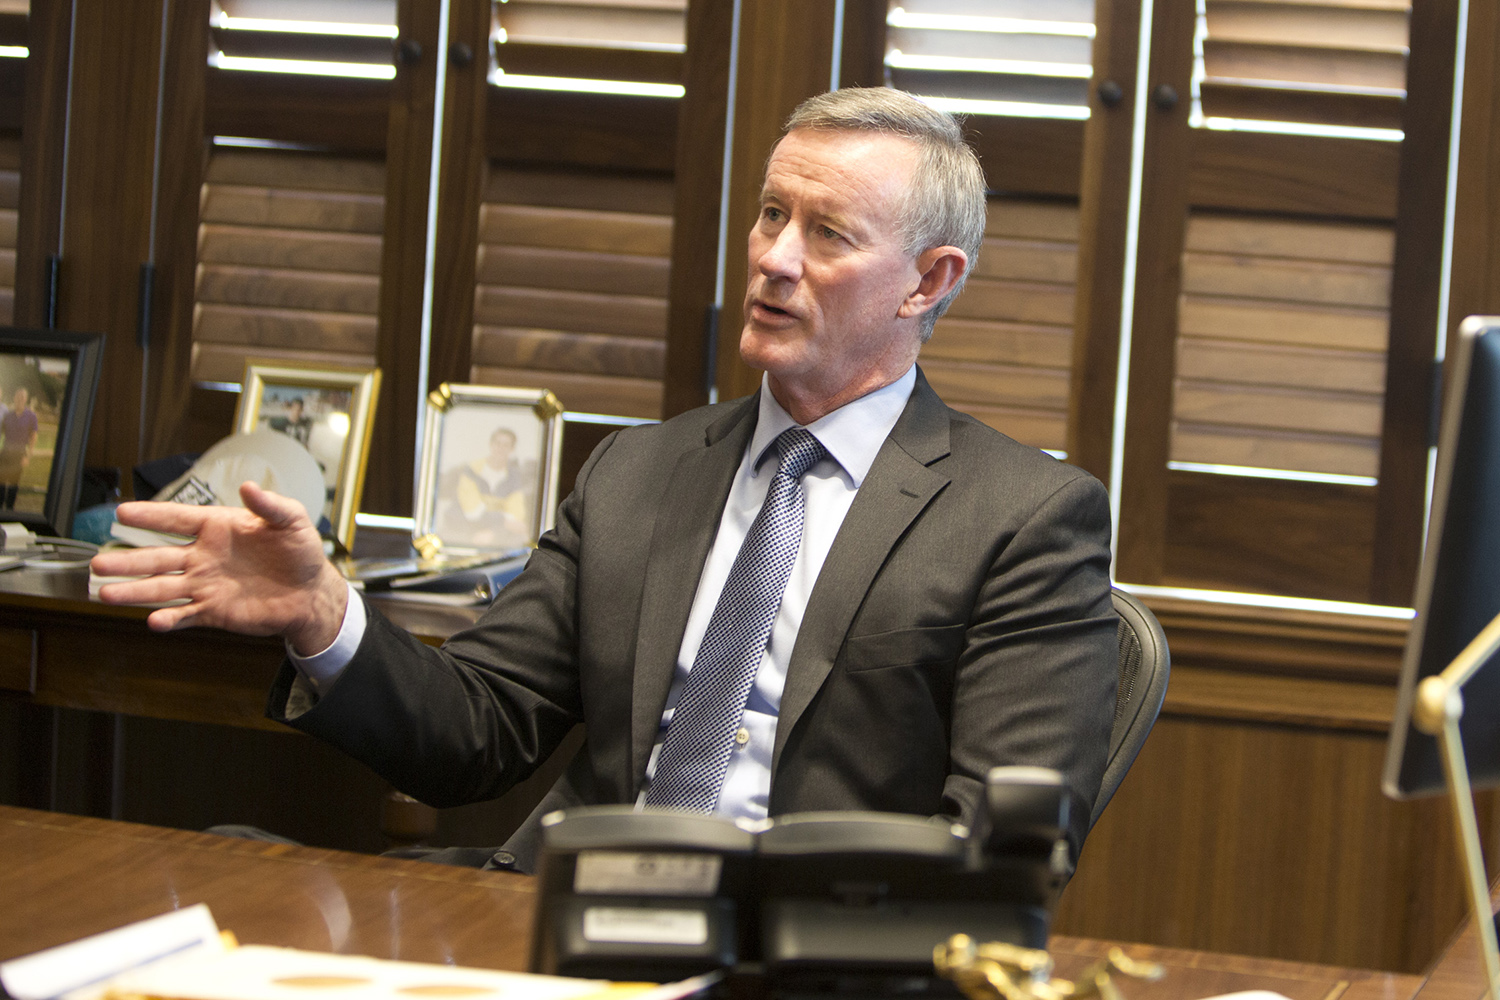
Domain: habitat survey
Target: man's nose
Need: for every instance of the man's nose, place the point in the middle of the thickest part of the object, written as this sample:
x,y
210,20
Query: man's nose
x,y
783,257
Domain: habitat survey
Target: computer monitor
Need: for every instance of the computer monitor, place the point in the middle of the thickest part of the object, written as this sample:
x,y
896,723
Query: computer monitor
x,y
1458,591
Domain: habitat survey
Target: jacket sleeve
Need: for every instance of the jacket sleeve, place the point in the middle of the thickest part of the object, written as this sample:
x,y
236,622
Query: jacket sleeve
x,y
465,722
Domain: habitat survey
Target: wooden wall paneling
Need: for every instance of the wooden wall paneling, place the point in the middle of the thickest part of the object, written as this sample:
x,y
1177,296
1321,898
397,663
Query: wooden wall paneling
x,y
1475,286
1414,301
389,480
1104,192
698,175
184,155
107,229
1143,522
459,191
1253,821
39,219
786,56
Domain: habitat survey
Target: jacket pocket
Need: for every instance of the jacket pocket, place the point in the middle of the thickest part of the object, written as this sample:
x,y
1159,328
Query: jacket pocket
x,y
903,647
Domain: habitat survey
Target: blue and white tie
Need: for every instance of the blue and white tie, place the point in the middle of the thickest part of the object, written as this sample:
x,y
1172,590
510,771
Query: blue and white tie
x,y
695,753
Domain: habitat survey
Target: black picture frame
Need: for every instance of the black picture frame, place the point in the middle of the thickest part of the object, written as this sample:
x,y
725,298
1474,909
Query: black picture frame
x,y
34,357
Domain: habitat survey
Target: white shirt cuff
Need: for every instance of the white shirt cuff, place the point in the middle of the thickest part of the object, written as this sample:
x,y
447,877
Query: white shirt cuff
x,y
323,668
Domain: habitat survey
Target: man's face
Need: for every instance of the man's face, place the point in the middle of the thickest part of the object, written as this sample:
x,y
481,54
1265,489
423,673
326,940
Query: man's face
x,y
502,445
20,399
827,272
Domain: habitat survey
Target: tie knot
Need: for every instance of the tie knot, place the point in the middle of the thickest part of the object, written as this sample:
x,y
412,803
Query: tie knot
x,y
799,452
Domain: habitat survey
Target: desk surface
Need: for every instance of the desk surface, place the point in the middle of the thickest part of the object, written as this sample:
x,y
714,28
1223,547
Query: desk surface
x,y
64,877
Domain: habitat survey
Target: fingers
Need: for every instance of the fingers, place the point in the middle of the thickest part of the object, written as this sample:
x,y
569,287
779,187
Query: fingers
x,y
277,510
139,562
151,590
177,518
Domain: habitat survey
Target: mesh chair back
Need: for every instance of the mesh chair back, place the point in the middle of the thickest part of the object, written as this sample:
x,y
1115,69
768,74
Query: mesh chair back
x,y
1145,664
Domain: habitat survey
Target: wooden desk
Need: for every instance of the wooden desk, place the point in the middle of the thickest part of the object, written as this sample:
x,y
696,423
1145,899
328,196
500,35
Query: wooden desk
x,y
64,650
64,877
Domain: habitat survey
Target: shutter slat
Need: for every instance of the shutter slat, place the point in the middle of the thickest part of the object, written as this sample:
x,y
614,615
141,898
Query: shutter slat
x,y
1017,301
1000,343
265,286
226,363
551,350
1286,281
1339,456
1241,406
356,253
1259,364
994,385
1265,322
574,229
577,312
285,328
573,270
626,397
294,209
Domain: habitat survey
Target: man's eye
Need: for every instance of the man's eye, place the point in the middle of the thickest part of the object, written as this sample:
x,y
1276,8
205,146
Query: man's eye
x,y
771,214
830,234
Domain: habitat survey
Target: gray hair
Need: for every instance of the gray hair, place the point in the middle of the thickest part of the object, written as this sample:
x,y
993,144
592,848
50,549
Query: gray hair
x,y
945,205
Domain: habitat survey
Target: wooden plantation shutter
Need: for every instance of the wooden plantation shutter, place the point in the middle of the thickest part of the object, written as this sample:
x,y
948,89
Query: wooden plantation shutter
x,y
1016,52
571,290
1334,62
1281,344
1002,352
289,247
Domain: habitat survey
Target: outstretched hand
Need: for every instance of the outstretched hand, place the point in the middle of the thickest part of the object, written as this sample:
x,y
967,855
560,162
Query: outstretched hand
x,y
257,570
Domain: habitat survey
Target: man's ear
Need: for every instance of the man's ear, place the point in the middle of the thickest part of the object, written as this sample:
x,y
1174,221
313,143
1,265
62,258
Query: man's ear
x,y
939,270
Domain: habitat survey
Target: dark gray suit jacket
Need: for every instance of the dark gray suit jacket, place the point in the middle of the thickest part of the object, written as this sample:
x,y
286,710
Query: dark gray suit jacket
x,y
962,620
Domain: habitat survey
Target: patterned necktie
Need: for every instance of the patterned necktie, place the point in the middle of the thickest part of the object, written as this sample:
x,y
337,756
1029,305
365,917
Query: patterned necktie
x,y
695,753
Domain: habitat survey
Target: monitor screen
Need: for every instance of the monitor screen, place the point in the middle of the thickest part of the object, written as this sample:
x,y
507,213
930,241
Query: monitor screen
x,y
1458,590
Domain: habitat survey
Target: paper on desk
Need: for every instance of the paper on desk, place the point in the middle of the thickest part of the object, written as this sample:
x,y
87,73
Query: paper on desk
x,y
256,972
80,969
1251,995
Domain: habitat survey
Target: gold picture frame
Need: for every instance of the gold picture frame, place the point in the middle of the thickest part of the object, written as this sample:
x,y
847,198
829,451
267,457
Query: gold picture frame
x,y
487,479
330,411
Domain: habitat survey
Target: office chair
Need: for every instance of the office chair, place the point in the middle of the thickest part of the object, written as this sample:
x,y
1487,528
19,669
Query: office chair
x,y
1145,663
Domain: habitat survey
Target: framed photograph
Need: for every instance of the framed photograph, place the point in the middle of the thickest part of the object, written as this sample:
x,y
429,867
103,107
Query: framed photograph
x,y
489,470
327,410
47,383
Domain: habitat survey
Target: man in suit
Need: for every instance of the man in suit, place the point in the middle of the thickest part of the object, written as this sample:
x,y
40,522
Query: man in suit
x,y
944,607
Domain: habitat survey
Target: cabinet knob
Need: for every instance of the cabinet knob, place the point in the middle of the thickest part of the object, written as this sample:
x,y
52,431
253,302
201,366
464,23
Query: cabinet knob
x,y
1111,93
1164,96
408,51
460,54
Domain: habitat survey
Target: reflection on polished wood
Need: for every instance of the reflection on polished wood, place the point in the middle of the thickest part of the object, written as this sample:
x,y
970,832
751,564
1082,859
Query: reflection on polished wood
x,y
73,876
65,877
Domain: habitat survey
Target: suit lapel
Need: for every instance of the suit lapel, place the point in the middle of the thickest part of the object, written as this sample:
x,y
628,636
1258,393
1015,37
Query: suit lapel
x,y
686,524
899,486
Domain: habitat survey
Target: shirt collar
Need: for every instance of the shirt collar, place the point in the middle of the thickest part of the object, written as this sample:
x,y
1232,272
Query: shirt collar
x,y
852,434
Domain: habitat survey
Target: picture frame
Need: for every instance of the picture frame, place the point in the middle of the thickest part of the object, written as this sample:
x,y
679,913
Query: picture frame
x,y
329,410
488,474
41,456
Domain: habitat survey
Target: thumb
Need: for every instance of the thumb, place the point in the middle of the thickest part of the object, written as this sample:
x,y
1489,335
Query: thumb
x,y
276,510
